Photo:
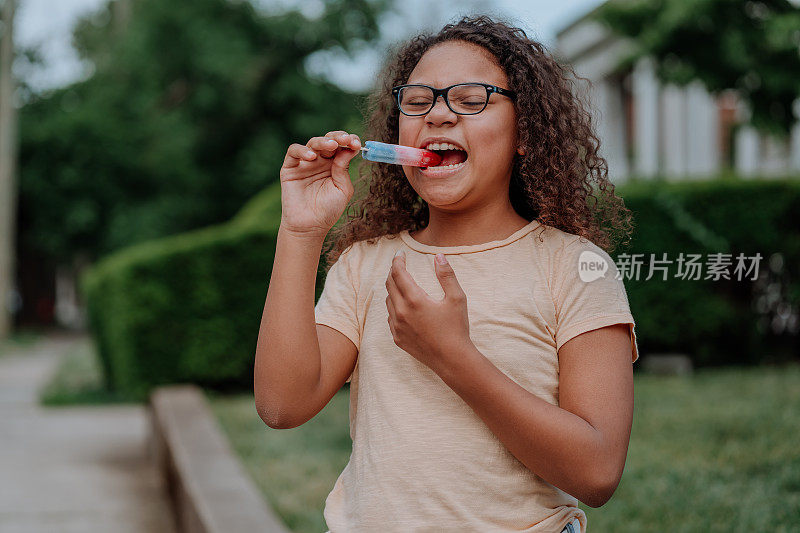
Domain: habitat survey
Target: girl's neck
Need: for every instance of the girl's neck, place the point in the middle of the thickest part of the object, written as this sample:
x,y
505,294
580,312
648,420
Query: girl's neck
x,y
468,232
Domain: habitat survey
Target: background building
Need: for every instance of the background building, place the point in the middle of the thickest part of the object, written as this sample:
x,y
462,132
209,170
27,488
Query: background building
x,y
648,129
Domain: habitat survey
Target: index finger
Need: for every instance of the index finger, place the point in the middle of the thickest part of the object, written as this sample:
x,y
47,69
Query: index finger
x,y
349,140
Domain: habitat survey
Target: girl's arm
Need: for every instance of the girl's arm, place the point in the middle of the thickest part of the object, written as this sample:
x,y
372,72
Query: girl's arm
x,y
315,189
579,446
288,361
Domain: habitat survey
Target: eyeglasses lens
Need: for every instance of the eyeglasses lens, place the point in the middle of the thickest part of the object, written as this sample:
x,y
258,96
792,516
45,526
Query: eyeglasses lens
x,y
466,99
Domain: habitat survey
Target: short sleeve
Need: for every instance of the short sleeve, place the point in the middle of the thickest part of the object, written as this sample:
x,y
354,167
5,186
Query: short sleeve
x,y
337,305
587,293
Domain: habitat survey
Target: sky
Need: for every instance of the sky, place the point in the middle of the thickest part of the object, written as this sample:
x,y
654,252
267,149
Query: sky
x,y
47,25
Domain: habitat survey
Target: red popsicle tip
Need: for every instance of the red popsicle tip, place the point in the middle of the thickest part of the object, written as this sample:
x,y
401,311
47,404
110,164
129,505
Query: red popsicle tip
x,y
430,159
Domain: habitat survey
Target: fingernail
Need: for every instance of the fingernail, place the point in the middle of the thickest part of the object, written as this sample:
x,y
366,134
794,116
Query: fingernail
x,y
441,259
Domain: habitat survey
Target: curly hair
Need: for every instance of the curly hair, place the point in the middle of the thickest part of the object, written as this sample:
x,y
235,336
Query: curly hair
x,y
561,181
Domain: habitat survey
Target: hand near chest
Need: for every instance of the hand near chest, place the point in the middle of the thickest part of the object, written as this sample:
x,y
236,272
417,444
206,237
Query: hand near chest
x,y
430,330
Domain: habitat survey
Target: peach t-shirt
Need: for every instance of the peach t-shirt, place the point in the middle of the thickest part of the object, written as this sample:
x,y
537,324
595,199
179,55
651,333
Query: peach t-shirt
x,y
422,460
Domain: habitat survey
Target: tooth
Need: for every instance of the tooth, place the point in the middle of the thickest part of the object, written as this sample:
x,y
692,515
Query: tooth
x,y
443,146
448,167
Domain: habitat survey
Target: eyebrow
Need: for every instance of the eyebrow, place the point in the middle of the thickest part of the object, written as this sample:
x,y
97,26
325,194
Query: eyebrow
x,y
449,84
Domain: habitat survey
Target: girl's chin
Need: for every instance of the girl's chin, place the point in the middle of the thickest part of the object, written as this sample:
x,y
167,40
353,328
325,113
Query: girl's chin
x,y
442,172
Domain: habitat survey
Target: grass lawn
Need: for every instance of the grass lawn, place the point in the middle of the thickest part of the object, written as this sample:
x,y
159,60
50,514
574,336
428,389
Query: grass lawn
x,y
717,451
294,468
78,380
19,340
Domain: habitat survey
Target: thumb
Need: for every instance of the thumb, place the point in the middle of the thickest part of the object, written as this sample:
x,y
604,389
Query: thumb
x,y
447,276
340,167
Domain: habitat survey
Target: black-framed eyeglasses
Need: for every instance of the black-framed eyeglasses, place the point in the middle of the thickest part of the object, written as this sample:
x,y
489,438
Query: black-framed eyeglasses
x,y
462,98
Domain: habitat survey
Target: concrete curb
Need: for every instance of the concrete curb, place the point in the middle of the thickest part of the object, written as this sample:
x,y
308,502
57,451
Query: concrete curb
x,y
209,489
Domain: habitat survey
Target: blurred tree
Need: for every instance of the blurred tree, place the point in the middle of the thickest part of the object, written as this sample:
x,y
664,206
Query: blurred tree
x,y
188,113
751,46
8,163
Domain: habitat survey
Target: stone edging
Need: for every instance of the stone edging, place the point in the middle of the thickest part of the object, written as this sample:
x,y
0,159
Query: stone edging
x,y
209,489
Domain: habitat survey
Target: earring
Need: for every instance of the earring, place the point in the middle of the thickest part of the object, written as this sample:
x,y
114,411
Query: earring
x,y
521,150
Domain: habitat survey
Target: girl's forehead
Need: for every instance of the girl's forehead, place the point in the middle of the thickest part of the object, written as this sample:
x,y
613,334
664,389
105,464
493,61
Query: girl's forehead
x,y
457,62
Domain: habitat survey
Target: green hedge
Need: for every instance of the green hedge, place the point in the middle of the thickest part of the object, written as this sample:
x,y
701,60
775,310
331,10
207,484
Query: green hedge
x,y
185,308
188,308
715,322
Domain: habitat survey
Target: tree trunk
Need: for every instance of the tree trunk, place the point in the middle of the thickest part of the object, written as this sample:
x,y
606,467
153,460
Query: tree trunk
x,y
8,153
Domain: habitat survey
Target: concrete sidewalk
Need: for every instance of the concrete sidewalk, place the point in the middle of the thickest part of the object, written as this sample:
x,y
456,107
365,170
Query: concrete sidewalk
x,y
72,469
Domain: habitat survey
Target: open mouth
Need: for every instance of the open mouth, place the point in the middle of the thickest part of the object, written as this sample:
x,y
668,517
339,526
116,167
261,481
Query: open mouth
x,y
452,156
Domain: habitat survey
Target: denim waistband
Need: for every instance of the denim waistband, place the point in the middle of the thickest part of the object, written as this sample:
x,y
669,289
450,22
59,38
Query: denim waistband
x,y
572,527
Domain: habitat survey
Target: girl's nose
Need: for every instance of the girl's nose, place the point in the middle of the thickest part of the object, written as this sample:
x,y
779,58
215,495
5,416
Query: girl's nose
x,y
440,112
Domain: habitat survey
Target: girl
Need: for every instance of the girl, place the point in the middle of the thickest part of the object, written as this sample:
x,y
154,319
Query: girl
x,y
472,305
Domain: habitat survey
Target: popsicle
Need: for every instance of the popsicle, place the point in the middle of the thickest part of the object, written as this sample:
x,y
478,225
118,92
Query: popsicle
x,y
399,155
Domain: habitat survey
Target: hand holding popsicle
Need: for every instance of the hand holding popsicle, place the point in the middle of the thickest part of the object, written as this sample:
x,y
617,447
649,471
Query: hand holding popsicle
x,y
315,183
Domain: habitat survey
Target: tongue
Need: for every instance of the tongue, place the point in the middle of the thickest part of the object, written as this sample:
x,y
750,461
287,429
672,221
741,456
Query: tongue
x,y
451,157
